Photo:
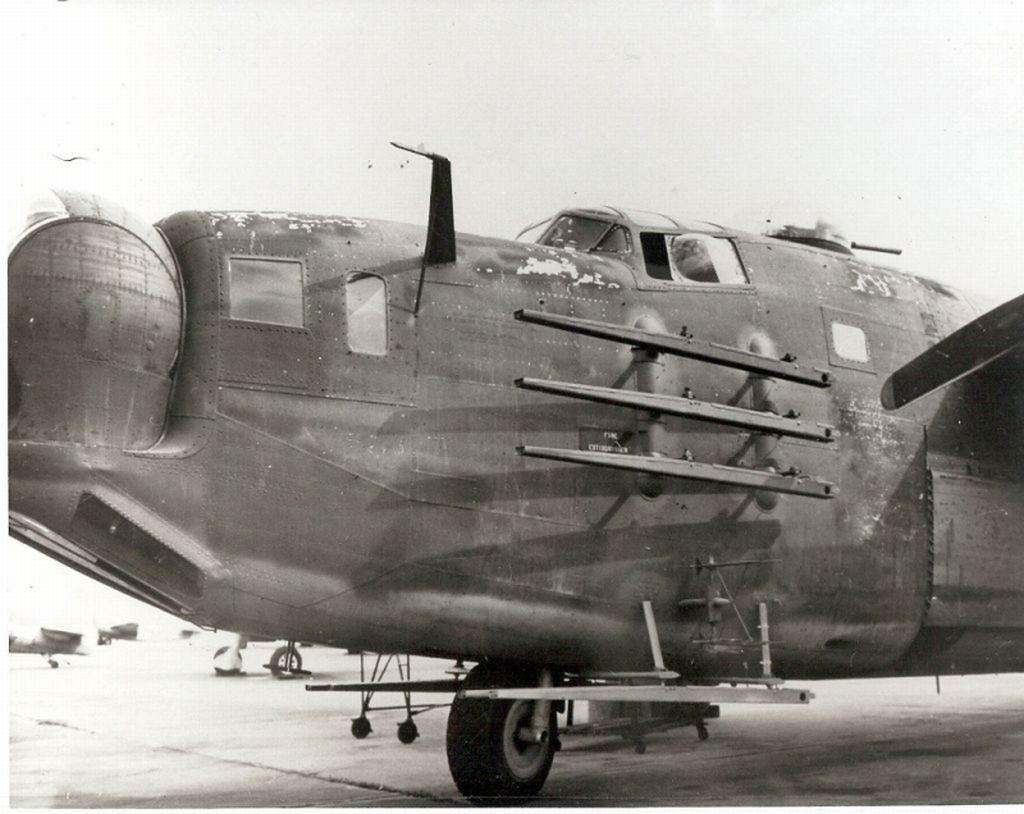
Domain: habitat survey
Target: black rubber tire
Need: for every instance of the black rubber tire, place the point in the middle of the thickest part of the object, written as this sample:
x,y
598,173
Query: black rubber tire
x,y
408,731
479,742
281,664
361,727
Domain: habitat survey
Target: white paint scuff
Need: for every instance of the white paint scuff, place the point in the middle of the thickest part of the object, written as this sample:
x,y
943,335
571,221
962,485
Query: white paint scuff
x,y
562,268
244,220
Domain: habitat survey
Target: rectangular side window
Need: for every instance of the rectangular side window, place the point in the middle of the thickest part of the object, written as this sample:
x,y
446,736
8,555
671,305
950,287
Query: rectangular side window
x,y
655,255
699,258
366,311
691,258
261,290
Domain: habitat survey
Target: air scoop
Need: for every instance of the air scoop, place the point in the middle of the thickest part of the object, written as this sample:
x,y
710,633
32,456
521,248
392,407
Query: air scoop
x,y
94,325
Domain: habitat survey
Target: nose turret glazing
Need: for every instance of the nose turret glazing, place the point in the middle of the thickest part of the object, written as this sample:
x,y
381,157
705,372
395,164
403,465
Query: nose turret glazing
x,y
94,326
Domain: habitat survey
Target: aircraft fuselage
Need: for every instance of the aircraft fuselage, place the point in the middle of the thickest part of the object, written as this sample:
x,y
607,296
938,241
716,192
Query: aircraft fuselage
x,y
321,463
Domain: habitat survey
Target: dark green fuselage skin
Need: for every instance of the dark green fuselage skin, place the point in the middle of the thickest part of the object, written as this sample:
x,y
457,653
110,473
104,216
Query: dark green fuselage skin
x,y
378,502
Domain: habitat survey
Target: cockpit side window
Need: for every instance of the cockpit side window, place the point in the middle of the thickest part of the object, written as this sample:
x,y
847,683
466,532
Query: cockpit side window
x,y
705,259
616,241
656,255
692,258
575,232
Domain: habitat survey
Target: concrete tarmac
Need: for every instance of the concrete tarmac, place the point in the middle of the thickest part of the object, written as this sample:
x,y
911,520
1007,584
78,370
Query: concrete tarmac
x,y
142,724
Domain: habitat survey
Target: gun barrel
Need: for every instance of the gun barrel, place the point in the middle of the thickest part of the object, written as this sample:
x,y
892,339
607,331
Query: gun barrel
x,y
867,247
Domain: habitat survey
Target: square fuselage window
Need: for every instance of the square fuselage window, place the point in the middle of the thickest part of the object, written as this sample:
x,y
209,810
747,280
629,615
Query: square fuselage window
x,y
261,290
850,342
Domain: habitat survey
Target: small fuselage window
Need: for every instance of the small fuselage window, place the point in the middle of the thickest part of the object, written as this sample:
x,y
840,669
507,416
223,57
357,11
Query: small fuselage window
x,y
263,290
366,312
850,342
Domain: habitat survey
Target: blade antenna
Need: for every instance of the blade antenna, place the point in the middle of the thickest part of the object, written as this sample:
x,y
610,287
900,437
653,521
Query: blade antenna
x,y
440,245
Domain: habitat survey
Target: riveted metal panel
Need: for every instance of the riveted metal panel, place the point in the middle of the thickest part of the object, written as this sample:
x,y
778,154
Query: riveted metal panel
x,y
348,374
978,573
259,354
94,331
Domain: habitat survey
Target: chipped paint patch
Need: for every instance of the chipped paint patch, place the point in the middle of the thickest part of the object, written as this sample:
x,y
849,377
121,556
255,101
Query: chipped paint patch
x,y
866,420
549,268
306,223
886,445
560,267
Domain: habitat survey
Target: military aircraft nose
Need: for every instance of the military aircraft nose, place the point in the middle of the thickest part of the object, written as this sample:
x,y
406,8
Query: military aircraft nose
x,y
94,325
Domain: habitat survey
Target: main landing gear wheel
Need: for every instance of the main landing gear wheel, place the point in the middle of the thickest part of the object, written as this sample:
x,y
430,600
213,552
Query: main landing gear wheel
x,y
285,660
487,755
227,661
54,664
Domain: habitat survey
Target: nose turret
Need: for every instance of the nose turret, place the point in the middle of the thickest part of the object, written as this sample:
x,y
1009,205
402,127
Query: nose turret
x,y
94,326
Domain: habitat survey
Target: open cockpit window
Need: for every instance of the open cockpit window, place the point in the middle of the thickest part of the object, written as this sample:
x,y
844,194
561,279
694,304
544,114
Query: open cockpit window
x,y
691,258
656,255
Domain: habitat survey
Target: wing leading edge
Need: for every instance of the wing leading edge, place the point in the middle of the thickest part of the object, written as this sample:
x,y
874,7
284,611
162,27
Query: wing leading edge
x,y
965,351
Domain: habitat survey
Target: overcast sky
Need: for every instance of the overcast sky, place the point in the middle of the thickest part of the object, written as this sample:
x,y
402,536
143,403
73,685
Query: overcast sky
x,y
902,122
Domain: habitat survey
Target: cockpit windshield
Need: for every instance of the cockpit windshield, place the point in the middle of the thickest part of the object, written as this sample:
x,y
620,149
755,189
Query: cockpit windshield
x,y
616,241
575,232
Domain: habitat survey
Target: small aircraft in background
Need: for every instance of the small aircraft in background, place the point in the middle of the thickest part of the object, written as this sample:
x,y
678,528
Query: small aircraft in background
x,y
129,631
50,642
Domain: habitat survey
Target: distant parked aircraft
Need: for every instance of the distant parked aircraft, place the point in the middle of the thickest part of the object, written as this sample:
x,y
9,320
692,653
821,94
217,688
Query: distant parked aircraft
x,y
129,631
49,642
